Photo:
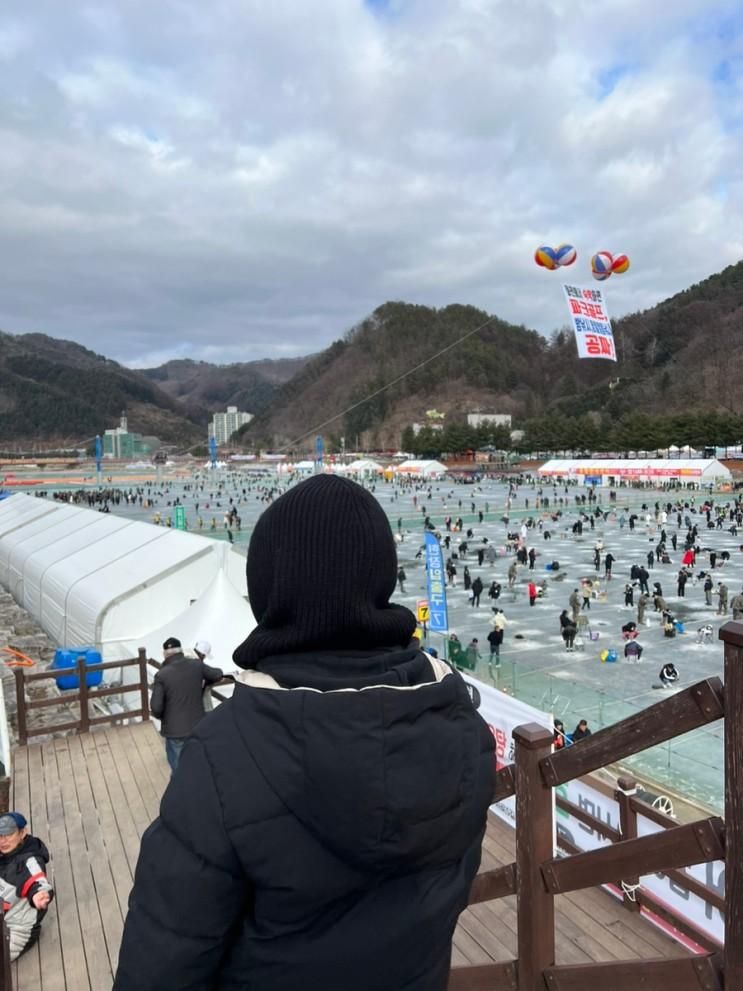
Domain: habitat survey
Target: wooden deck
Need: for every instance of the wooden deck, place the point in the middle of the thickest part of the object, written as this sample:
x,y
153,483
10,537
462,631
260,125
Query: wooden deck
x,y
90,797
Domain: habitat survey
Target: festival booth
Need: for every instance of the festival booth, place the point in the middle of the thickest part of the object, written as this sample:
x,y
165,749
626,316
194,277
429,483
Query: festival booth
x,y
699,472
423,469
97,580
363,466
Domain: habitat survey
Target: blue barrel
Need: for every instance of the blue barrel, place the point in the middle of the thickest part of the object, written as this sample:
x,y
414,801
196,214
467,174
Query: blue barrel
x,y
67,658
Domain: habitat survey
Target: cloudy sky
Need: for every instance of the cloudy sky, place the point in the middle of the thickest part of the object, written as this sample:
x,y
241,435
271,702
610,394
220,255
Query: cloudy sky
x,y
239,178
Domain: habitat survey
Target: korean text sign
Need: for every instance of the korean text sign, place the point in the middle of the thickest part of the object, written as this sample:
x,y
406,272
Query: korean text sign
x,y
438,619
593,333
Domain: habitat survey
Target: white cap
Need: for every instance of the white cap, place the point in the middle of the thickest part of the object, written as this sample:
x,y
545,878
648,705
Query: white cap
x,y
203,647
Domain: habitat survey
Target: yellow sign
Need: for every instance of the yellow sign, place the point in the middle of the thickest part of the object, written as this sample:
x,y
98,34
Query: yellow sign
x,y
422,612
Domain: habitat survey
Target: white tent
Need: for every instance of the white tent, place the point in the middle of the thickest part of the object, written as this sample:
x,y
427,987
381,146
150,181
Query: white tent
x,y
220,615
93,579
609,471
426,469
364,466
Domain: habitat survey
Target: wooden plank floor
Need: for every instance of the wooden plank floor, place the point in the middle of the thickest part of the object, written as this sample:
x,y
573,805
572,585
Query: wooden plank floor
x,y
91,797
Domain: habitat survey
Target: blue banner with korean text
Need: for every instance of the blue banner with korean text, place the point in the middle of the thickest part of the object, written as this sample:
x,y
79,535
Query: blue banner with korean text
x,y
439,621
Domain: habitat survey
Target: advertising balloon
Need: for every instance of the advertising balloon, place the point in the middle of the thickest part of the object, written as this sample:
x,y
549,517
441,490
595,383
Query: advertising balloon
x,y
601,265
546,257
620,264
565,254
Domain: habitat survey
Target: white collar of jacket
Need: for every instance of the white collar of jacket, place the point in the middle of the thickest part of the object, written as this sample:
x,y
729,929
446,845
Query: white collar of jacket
x,y
257,679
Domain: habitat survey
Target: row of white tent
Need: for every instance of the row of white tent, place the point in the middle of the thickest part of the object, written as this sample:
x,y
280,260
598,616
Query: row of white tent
x,y
698,471
367,466
98,580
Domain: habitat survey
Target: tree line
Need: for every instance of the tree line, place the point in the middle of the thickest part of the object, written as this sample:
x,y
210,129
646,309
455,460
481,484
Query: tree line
x,y
555,433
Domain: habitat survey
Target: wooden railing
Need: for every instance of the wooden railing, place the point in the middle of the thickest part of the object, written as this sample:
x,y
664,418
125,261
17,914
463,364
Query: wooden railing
x,y
537,875
635,896
82,696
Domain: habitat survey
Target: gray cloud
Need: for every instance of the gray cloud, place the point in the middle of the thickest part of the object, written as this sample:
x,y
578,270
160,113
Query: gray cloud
x,y
238,179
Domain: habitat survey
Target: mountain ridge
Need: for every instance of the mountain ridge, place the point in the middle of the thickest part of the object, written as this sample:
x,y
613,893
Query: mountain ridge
x,y
679,355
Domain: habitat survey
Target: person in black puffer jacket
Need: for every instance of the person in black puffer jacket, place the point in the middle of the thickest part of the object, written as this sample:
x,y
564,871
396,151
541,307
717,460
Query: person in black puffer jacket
x,y
324,826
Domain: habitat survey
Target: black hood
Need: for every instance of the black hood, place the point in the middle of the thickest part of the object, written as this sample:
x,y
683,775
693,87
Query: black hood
x,y
321,569
354,763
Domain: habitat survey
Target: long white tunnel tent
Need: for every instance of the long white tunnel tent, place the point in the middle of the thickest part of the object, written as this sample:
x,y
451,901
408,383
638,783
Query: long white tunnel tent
x,y
93,579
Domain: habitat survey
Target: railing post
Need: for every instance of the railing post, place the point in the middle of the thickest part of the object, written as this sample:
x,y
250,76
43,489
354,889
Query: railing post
x,y
534,846
626,789
82,677
732,635
144,694
20,698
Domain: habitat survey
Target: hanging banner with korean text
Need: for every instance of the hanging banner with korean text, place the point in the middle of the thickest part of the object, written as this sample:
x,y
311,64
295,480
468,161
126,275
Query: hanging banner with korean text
x,y
591,323
438,621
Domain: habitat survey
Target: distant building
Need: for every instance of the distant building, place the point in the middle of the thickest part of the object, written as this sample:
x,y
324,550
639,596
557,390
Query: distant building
x,y
120,443
417,427
495,419
224,425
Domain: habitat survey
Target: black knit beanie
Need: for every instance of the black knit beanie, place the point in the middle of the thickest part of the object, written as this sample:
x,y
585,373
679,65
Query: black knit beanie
x,y
321,569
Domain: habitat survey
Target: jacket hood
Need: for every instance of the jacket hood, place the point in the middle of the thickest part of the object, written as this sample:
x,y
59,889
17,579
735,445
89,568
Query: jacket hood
x,y
321,569
31,846
385,768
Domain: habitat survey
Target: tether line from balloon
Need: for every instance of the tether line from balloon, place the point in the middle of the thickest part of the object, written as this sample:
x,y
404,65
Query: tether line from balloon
x,y
384,388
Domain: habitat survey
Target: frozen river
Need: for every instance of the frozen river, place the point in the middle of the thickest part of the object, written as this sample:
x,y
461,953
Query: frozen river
x,y
535,665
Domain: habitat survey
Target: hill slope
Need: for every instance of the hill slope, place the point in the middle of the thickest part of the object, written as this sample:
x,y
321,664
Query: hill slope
x,y
499,367
682,354
60,391
203,388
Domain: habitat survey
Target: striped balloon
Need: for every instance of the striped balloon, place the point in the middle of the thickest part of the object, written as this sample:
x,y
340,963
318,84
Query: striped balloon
x,y
566,254
546,257
620,265
601,264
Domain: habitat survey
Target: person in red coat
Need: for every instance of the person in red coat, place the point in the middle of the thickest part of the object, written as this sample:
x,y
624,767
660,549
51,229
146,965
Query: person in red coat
x,y
532,593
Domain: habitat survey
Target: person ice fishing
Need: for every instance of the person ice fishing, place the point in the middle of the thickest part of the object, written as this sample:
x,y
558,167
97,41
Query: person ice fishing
x,y
568,629
325,824
574,603
642,604
495,641
722,594
476,590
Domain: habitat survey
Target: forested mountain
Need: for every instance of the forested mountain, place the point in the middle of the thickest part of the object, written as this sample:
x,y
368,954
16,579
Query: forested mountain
x,y
683,354
680,357
203,388
55,390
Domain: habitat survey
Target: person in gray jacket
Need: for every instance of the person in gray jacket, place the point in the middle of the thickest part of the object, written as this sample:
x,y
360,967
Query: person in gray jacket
x,y
177,696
